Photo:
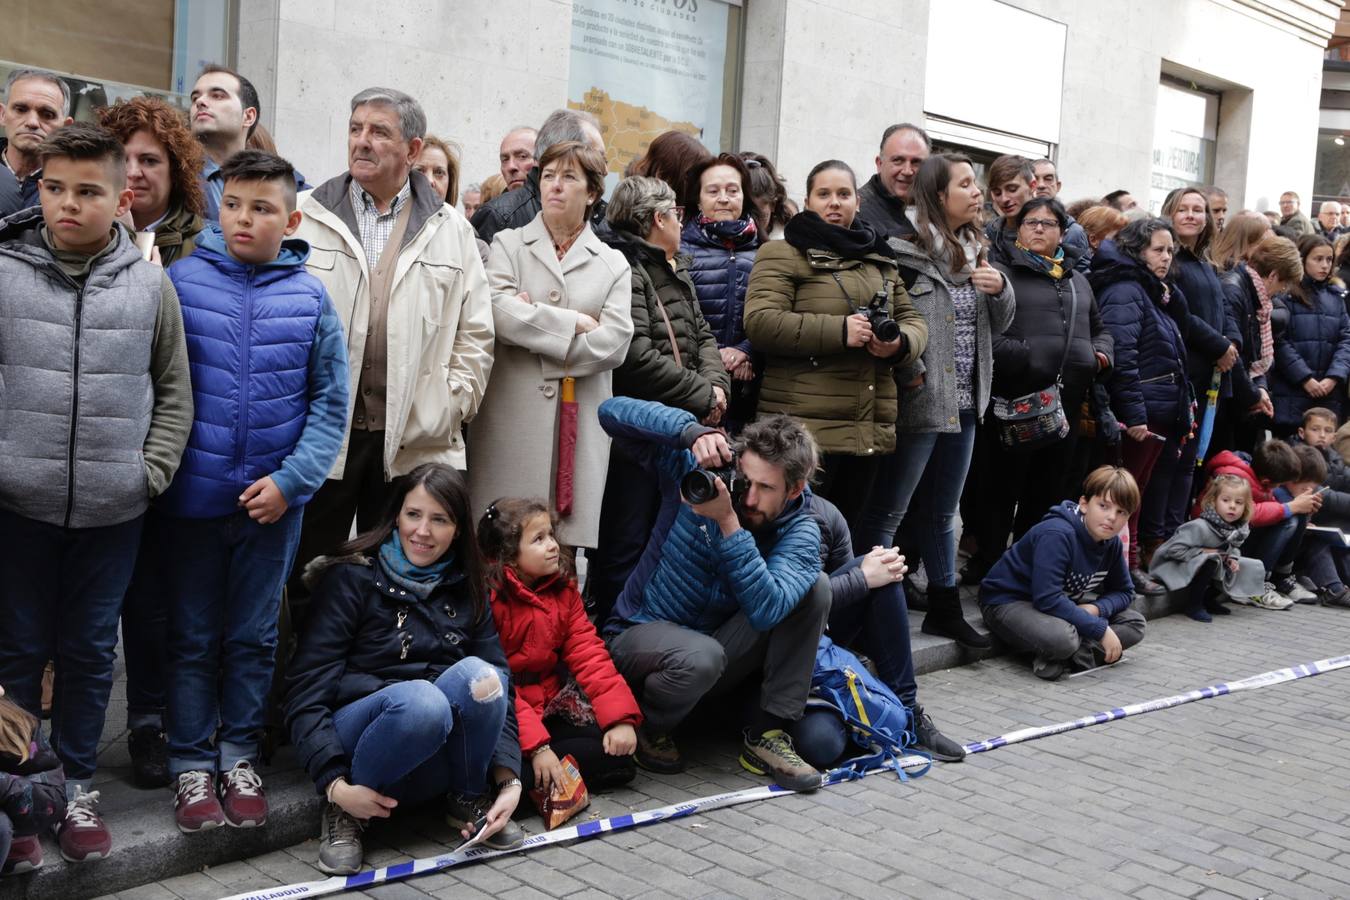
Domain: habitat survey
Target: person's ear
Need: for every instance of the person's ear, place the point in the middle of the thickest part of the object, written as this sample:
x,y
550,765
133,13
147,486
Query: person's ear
x,y
1082,504
414,150
124,198
250,116
293,222
795,491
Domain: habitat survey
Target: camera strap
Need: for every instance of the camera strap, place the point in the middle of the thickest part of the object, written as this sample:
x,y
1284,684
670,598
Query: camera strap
x,y
853,308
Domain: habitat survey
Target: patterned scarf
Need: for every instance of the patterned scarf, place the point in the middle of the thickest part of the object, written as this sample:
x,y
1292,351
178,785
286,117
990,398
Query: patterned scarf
x,y
731,234
417,580
1048,265
1225,529
1261,365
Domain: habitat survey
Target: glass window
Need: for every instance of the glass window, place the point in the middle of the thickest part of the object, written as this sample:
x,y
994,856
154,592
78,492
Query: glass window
x,y
1184,133
1331,180
144,47
647,66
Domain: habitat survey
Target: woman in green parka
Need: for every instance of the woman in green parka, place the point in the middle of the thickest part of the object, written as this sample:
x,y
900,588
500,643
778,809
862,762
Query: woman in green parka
x,y
164,162
812,308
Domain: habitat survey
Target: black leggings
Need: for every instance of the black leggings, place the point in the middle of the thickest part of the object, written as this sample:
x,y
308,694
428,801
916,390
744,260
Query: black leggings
x,y
598,769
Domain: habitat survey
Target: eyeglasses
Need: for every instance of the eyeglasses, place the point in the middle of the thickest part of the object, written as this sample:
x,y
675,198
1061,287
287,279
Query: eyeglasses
x,y
1040,224
678,213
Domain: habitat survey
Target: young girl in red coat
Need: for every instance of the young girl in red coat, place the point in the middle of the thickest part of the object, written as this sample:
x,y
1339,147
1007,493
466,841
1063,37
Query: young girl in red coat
x,y
569,696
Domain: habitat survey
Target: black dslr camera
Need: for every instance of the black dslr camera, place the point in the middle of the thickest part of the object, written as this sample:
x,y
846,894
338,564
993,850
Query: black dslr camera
x,y
700,485
884,328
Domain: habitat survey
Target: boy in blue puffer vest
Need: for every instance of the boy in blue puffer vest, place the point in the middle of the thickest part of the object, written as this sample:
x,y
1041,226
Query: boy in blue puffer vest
x,y
269,380
1063,591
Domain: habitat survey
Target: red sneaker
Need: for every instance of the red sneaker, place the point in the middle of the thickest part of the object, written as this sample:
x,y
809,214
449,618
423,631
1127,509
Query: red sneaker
x,y
242,797
195,807
25,855
82,835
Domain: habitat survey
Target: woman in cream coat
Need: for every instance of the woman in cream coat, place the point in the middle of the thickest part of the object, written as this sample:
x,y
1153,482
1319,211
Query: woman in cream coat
x,y
561,305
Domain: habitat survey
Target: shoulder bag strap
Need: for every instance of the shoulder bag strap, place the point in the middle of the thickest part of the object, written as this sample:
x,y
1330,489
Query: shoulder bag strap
x,y
1073,322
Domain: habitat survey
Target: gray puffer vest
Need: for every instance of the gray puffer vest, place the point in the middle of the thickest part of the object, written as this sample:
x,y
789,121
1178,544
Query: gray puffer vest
x,y
75,388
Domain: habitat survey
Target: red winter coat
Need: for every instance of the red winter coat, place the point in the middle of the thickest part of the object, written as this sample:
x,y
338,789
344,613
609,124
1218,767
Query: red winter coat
x,y
544,630
1266,509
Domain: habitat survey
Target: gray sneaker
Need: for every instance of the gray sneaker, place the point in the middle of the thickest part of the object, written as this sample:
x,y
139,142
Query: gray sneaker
x,y
339,842
467,813
773,754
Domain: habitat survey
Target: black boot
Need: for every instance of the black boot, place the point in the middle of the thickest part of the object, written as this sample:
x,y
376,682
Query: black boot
x,y
945,620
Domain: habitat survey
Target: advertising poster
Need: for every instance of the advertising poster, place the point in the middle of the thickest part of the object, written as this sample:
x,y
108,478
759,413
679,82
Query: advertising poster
x,y
647,66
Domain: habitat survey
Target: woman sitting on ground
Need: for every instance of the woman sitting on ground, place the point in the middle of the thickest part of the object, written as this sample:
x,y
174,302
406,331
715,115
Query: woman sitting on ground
x,y
398,693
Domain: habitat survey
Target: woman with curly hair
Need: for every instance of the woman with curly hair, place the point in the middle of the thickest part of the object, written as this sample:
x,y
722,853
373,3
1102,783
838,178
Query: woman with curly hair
x,y
163,162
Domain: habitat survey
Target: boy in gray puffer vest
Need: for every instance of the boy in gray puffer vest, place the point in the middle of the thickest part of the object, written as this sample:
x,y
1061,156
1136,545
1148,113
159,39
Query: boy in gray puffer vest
x,y
95,409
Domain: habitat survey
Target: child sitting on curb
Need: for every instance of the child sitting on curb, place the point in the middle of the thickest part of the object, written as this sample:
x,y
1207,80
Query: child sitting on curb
x,y
1205,555
1323,556
32,788
1277,521
1034,598
569,697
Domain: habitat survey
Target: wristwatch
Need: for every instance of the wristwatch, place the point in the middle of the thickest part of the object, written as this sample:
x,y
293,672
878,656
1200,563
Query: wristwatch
x,y
510,782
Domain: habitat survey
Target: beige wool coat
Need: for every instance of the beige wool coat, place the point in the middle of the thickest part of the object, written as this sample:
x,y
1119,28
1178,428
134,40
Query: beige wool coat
x,y
513,443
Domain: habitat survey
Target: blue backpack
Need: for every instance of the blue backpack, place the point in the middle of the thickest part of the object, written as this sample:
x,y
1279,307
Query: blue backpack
x,y
875,717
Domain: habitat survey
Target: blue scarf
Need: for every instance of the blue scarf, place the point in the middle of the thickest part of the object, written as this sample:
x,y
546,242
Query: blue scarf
x,y
418,580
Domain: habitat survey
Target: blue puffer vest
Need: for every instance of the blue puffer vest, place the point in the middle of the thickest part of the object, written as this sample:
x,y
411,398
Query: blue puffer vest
x,y
720,275
249,333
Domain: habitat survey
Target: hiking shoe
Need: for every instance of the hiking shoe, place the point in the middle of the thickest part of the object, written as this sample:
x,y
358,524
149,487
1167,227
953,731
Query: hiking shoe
x,y
773,754
1338,600
195,805
933,742
657,753
82,835
1048,669
25,855
1288,586
149,757
241,796
467,814
1272,599
339,842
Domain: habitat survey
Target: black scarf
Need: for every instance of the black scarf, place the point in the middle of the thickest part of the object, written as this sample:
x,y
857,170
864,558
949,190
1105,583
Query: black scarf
x,y
808,231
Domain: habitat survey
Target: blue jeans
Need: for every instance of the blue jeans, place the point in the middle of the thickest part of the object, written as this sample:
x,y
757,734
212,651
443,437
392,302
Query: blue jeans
x,y
417,739
62,595
878,626
928,470
1276,544
223,580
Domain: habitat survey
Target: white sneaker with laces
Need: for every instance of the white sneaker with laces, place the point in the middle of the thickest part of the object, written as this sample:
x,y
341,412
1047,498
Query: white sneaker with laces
x,y
1272,599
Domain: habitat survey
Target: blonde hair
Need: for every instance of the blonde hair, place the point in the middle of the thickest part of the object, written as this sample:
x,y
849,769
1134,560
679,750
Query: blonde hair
x,y
492,187
1115,484
1101,221
1235,241
16,729
1278,256
451,165
1219,483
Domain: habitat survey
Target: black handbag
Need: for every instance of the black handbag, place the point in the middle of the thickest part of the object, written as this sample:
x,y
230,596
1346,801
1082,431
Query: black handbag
x,y
1036,419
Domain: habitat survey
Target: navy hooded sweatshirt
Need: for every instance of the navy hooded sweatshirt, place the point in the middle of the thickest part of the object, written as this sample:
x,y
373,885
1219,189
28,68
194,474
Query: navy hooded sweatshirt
x,y
1054,564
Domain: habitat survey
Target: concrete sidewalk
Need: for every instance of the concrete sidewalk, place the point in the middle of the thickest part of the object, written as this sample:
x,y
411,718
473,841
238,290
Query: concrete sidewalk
x,y
148,846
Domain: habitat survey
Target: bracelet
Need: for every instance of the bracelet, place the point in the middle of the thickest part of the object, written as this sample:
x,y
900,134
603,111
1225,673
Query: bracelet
x,y
328,792
510,782
540,749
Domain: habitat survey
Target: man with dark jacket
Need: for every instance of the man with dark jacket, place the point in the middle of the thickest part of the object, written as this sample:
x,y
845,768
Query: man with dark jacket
x,y
1012,182
881,201
868,612
516,208
36,104
725,587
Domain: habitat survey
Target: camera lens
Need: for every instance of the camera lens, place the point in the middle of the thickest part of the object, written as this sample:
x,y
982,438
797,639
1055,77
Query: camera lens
x,y
698,486
886,329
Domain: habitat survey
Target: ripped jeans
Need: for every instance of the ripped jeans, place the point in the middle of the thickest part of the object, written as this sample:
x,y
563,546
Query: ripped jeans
x,y
417,740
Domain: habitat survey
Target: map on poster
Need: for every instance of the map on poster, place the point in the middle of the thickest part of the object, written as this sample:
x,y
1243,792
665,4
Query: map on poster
x,y
647,66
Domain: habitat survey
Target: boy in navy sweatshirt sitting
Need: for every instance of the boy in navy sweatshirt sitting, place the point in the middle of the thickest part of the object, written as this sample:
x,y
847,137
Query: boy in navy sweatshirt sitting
x,y
269,373
1034,596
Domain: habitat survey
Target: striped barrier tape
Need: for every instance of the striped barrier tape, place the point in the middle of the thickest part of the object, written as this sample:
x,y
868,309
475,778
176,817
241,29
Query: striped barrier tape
x,y
591,829
581,831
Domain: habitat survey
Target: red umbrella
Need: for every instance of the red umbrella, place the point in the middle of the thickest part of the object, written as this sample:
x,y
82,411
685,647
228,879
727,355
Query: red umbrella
x,y
567,446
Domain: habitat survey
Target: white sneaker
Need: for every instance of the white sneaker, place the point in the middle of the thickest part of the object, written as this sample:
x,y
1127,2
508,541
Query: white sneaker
x,y
1272,599
1296,592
